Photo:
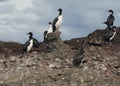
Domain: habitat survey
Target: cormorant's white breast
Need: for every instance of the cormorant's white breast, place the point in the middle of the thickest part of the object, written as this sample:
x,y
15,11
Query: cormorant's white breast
x,y
114,33
29,47
50,29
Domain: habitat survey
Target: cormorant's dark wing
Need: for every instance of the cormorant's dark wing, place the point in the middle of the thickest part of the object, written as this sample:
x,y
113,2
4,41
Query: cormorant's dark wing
x,y
35,43
54,22
110,20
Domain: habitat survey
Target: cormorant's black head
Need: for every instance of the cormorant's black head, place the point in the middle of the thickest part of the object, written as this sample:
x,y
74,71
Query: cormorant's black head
x,y
30,33
49,23
60,9
111,11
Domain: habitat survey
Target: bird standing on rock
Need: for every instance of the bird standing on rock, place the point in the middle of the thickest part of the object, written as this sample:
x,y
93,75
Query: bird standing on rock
x,y
57,21
111,18
77,59
32,42
110,34
50,30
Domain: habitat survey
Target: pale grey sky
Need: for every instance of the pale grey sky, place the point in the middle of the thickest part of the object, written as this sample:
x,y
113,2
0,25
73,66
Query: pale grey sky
x,y
80,17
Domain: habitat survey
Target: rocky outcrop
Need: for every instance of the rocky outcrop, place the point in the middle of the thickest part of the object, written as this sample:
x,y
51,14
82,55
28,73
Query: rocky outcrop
x,y
98,36
100,65
55,43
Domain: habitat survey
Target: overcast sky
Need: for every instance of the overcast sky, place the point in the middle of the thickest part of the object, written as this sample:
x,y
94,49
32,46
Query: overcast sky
x,y
80,17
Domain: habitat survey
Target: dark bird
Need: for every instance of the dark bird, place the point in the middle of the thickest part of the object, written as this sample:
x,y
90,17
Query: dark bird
x,y
57,21
77,59
110,34
32,42
45,36
111,18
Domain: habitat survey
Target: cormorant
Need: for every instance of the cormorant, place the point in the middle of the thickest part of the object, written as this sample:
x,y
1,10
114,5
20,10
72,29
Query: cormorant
x,y
50,30
57,21
45,36
77,59
111,18
32,42
110,34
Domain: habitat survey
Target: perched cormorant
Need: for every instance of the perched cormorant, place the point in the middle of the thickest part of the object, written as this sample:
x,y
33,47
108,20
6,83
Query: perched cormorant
x,y
45,36
50,30
79,57
35,41
57,21
111,18
32,42
110,34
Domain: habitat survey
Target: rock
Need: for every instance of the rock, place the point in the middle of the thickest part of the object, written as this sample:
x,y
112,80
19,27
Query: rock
x,y
51,66
103,67
30,62
55,67
13,58
54,42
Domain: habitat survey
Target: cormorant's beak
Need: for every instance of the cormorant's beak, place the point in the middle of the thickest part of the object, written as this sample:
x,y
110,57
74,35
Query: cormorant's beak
x,y
27,33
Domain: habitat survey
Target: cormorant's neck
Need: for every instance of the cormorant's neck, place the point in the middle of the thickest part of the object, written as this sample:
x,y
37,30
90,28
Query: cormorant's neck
x,y
50,25
30,37
82,48
111,13
60,12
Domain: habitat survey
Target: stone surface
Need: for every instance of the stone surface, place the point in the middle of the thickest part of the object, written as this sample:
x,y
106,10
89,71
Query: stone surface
x,y
100,67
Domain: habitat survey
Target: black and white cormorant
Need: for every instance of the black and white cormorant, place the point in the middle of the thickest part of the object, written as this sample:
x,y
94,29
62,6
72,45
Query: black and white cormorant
x,y
57,21
50,30
111,18
110,34
32,42
113,33
77,59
